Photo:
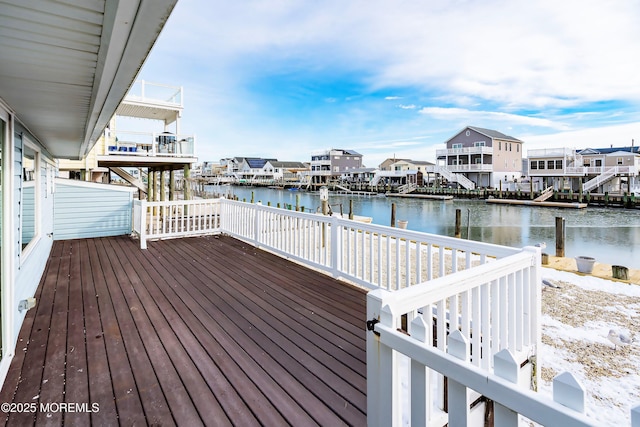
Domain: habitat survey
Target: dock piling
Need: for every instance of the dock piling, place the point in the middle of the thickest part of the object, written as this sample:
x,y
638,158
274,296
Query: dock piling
x,y
560,236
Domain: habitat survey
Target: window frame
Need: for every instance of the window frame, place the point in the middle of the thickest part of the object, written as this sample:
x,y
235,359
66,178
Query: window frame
x,y
37,208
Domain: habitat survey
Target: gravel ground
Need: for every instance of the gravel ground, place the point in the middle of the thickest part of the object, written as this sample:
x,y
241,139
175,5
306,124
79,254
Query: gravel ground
x,y
577,307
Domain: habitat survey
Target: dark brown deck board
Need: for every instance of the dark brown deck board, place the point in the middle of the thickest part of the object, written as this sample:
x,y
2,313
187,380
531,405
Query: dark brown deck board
x,y
270,341
300,345
191,331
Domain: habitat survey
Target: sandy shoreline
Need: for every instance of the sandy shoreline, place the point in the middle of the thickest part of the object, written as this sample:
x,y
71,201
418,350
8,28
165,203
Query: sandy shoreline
x,y
599,269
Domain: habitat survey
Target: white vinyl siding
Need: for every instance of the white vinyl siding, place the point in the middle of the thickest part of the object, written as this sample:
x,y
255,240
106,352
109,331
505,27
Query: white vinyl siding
x,y
86,210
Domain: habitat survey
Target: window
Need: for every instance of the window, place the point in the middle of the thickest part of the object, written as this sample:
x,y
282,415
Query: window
x,y
598,163
619,161
509,146
586,163
499,145
30,194
558,164
534,165
479,144
518,148
550,164
456,146
540,164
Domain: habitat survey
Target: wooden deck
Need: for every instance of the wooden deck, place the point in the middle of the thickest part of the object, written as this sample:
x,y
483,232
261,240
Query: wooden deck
x,y
199,331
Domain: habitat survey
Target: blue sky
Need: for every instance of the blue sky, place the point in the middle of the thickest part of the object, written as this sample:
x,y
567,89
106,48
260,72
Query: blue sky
x,y
285,78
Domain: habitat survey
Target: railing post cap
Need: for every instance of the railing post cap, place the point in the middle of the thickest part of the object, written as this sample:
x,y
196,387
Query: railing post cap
x,y
568,391
505,365
635,416
458,345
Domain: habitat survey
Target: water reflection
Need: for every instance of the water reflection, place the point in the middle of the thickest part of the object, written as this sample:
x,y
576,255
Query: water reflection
x,y
612,236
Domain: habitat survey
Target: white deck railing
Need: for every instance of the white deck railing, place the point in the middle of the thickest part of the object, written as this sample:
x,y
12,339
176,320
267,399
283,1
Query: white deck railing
x,y
497,304
171,219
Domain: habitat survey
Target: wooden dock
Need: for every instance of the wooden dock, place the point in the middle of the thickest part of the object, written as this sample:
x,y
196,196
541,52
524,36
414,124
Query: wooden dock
x,y
548,204
421,196
197,331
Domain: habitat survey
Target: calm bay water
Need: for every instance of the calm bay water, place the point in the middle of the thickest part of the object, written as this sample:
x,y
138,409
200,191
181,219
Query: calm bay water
x,y
612,236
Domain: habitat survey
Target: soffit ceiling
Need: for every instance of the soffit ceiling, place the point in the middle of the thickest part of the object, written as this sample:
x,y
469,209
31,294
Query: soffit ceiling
x,y
66,65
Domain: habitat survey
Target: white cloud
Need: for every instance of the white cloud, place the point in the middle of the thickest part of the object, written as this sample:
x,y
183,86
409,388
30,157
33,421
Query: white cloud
x,y
602,137
479,116
471,62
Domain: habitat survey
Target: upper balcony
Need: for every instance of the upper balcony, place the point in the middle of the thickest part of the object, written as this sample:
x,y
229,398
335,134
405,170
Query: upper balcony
x,y
146,149
464,151
152,101
552,152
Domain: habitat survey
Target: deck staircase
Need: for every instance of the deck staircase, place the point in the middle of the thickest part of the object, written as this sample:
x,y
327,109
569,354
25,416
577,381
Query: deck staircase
x,y
545,195
129,178
407,188
599,180
348,190
456,177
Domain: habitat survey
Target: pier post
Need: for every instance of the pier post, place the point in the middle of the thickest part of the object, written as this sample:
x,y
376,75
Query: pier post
x,y
297,203
187,187
531,189
580,191
393,214
458,232
172,185
350,208
163,190
560,236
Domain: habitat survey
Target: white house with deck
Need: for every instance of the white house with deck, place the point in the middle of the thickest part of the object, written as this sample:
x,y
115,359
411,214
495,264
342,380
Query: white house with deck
x,y
600,170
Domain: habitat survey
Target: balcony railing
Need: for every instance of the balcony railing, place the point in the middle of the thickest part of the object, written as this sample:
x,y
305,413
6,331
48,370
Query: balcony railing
x,y
143,91
473,167
151,144
464,151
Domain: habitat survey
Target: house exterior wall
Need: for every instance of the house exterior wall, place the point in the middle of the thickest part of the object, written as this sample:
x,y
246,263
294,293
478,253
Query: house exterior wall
x,y
340,161
85,210
621,159
507,156
32,227
468,138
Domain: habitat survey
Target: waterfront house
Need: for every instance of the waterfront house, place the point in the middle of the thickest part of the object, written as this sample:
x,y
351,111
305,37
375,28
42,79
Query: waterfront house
x,y
485,157
386,164
400,172
64,70
329,165
359,176
601,170
284,172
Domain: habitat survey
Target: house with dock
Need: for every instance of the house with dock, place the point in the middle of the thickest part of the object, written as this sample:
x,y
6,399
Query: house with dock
x,y
329,165
477,157
613,170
